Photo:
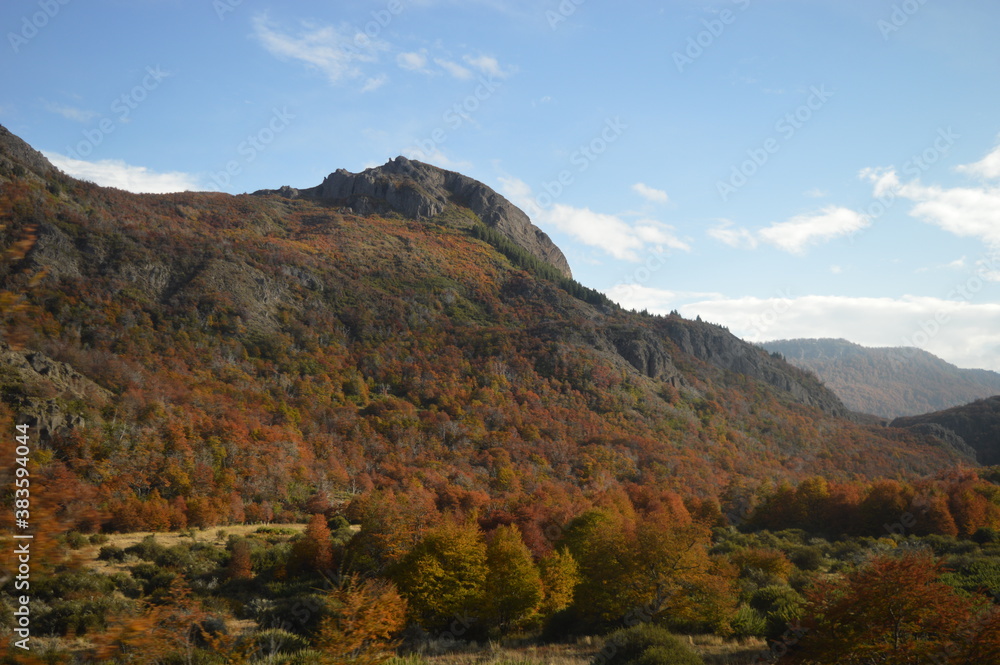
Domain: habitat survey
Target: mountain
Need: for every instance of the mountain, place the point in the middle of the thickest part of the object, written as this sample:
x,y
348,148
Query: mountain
x,y
887,382
977,425
404,328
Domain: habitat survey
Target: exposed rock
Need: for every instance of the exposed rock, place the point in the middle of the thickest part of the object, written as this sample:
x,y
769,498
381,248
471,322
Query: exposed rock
x,y
420,191
719,347
40,388
645,353
15,152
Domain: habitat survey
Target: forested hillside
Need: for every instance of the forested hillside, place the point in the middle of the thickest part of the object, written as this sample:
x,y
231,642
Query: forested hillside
x,y
464,430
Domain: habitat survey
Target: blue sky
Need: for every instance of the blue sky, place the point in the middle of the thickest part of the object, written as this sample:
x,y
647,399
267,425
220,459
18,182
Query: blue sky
x,y
787,168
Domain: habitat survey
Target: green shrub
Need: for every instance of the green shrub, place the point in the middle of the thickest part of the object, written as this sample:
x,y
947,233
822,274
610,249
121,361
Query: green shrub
x,y
75,540
646,644
98,538
111,553
147,549
749,622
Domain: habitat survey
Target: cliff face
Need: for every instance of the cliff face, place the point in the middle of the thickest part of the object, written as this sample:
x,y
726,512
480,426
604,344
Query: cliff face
x,y
720,348
420,191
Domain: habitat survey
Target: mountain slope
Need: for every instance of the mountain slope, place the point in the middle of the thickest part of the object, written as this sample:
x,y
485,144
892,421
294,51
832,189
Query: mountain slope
x,y
238,354
887,382
977,424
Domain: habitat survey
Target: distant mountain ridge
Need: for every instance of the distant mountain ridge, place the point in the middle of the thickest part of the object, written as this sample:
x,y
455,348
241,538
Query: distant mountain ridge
x,y
887,382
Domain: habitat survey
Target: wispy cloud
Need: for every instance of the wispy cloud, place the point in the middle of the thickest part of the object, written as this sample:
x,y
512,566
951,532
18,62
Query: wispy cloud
x,y
488,65
454,69
374,83
610,233
970,212
649,193
802,231
415,61
116,173
70,112
739,238
988,167
335,51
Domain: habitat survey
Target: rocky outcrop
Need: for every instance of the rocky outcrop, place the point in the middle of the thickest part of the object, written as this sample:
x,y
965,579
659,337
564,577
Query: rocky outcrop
x,y
645,353
42,391
16,157
717,346
420,191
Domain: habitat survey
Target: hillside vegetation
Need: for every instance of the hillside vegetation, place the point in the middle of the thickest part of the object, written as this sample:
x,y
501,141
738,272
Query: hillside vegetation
x,y
887,382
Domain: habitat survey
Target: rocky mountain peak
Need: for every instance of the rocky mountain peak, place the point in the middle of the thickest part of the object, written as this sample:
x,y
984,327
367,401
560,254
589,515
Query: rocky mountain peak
x,y
420,191
16,154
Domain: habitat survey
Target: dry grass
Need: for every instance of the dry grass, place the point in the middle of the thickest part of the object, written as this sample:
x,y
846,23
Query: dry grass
x,y
216,535
714,650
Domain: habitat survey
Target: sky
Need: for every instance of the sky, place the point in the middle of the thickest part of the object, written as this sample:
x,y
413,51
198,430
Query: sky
x,y
785,168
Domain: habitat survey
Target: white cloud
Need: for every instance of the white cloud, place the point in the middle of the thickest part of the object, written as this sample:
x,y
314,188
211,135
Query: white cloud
x,y
610,233
801,231
963,211
70,112
988,167
649,193
657,301
836,270
415,61
374,83
740,238
437,158
116,173
816,193
963,332
334,51
487,65
454,69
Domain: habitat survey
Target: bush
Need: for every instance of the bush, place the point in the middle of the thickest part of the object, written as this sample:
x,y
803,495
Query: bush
x,y
749,622
98,538
147,549
75,540
808,557
111,553
646,644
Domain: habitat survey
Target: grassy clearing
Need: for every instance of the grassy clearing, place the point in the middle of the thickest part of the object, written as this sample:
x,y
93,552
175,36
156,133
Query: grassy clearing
x,y
714,650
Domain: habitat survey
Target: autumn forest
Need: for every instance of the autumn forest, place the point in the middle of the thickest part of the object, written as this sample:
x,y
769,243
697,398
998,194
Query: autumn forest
x,y
278,429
